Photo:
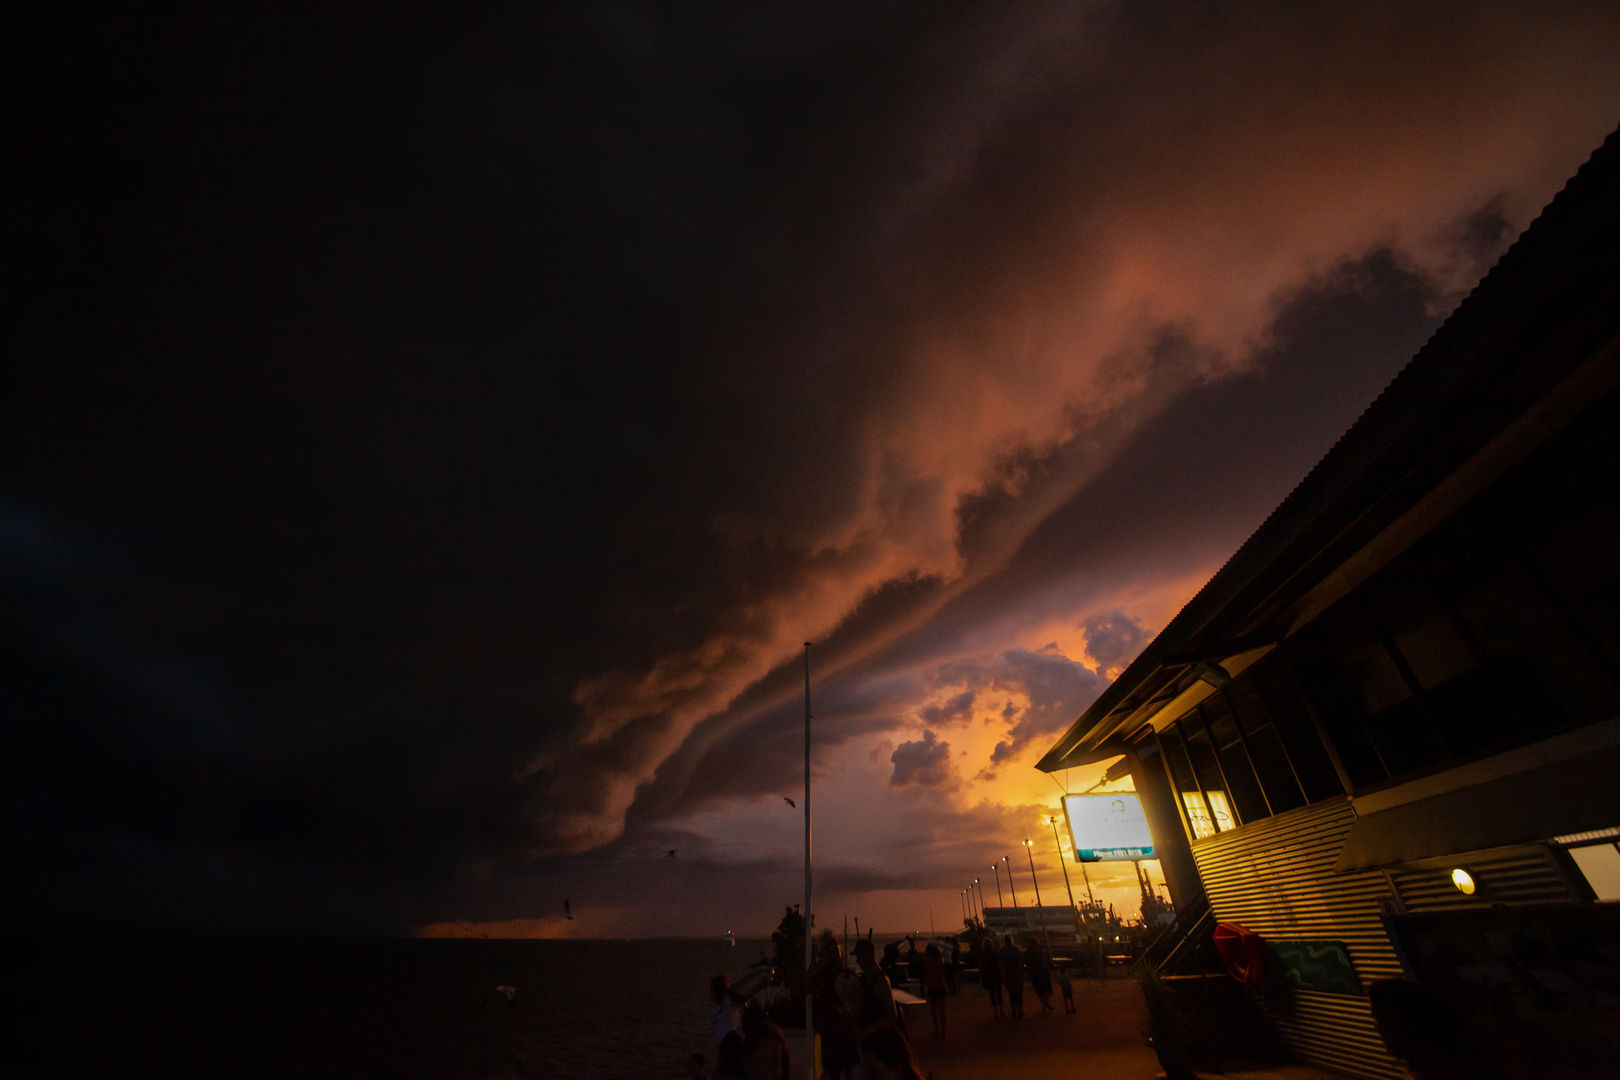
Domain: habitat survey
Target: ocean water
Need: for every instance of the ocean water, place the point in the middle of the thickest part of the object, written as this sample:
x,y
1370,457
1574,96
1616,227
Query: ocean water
x,y
369,1008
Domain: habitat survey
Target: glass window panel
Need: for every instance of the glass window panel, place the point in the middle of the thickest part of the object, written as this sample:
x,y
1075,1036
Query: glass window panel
x,y
1274,771
1515,623
1221,807
1362,658
1600,865
1420,626
1270,764
1209,774
1481,710
1245,787
1202,824
1271,686
1405,738
1175,759
1337,708
1571,511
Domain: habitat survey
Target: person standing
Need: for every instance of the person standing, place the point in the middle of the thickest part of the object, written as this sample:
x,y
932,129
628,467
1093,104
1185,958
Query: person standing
x,y
877,1009
990,975
1066,984
839,1035
948,953
1012,976
1039,967
933,981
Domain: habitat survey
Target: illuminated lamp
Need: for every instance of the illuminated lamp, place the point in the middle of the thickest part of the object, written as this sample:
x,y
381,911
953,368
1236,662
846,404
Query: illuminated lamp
x,y
1464,881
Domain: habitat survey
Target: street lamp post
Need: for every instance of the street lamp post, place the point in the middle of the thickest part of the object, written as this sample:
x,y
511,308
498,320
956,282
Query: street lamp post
x,y
1052,821
1010,887
1029,849
999,901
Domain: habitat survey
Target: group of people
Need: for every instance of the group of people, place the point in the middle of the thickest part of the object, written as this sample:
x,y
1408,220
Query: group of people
x,y
854,1013
1004,970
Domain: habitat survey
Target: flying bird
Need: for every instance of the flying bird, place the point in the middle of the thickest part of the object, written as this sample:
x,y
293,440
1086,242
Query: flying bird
x,y
568,912
790,802
671,854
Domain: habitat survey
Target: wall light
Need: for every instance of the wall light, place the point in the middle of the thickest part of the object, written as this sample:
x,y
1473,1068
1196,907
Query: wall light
x,y
1463,880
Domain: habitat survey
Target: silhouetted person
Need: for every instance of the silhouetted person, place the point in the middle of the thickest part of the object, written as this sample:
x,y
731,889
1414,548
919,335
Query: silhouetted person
x,y
1066,985
933,984
990,975
840,1043
877,1007
1039,969
1426,1033
1012,976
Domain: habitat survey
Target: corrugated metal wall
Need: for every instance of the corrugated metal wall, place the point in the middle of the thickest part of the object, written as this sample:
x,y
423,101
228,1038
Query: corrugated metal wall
x,y
1276,877
1525,874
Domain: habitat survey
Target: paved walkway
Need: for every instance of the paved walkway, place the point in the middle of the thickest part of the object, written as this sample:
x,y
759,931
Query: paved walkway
x,y
1103,1041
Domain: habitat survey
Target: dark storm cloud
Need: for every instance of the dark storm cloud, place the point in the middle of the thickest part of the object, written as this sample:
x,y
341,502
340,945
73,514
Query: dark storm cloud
x,y
467,418
957,710
924,761
1113,639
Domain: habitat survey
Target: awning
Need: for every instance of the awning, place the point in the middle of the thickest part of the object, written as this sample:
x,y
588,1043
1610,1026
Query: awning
x,y
1570,796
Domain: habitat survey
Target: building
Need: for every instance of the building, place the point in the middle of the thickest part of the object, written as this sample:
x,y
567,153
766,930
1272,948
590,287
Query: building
x,y
1056,922
1387,731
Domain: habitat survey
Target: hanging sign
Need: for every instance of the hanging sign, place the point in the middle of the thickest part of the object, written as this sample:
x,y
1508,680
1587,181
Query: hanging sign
x,y
1108,828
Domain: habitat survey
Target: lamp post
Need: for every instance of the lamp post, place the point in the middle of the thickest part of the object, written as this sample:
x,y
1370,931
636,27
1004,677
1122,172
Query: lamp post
x,y
1029,849
1052,821
1010,887
997,868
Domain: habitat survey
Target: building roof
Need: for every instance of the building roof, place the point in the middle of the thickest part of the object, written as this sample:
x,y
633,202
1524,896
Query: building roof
x,y
1546,306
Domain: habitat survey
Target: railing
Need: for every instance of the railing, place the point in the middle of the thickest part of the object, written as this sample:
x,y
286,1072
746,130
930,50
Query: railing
x,y
1182,942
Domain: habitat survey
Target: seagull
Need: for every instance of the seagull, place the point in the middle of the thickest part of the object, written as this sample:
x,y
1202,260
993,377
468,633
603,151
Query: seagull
x,y
568,912
790,802
671,854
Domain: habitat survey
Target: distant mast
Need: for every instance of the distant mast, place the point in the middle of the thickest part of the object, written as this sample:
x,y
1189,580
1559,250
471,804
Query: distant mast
x,y
809,937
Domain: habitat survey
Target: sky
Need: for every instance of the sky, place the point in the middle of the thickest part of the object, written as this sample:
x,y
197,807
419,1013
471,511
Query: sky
x,y
428,439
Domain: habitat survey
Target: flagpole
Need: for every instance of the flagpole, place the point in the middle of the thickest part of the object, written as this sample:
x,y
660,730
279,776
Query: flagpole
x,y
809,938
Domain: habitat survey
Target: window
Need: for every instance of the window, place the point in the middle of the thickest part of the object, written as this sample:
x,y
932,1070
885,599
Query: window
x,y
1600,865
1340,715
1207,769
1249,800
1179,766
1274,684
